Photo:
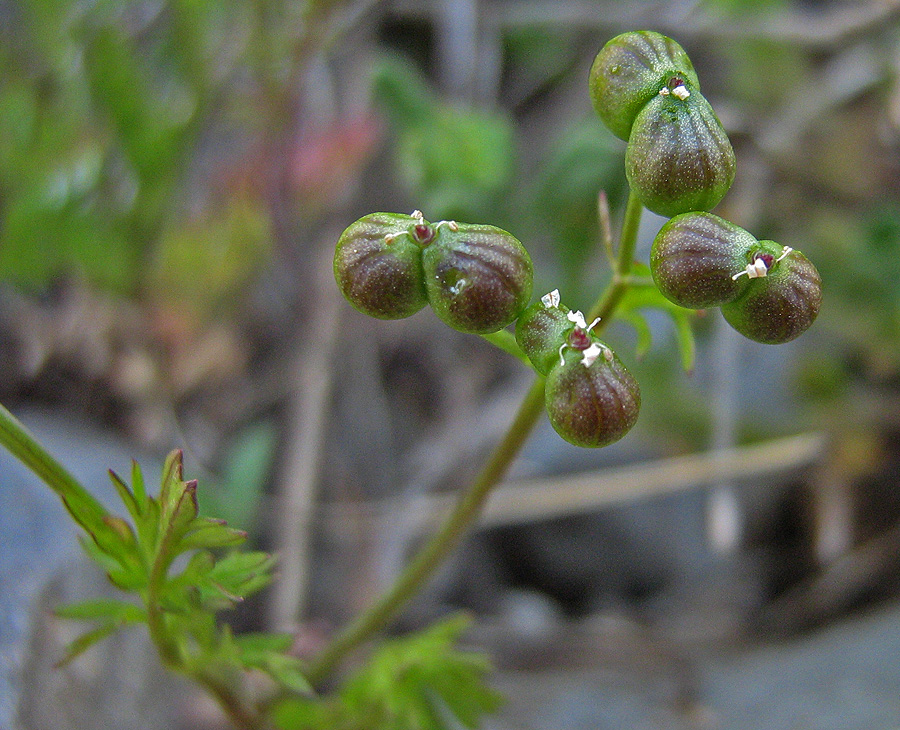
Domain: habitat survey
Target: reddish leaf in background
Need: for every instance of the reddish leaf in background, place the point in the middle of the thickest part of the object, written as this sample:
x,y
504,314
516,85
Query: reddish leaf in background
x,y
325,164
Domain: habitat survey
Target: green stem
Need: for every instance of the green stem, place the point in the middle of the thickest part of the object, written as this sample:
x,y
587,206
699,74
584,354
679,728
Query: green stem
x,y
156,620
239,714
468,508
80,503
441,543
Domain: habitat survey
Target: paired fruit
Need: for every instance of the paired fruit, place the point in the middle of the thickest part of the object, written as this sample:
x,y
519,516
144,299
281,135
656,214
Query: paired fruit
x,y
591,399
476,278
646,91
768,292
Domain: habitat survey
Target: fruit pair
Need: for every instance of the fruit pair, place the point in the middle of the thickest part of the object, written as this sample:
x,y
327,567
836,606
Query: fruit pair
x,y
591,399
477,278
767,292
645,89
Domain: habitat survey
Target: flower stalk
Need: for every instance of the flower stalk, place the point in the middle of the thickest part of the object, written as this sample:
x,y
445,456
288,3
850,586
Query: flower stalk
x,y
468,507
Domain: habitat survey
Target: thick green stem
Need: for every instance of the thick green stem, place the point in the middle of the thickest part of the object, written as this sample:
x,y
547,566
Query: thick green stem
x,y
467,509
83,507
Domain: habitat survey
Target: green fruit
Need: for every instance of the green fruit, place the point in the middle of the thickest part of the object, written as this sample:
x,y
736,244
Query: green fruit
x,y
541,329
678,157
780,305
695,257
595,404
630,70
478,278
378,265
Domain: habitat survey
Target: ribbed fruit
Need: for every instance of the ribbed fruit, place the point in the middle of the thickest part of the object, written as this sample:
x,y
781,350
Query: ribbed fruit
x,y
478,278
695,257
540,330
630,70
592,406
679,158
378,266
780,306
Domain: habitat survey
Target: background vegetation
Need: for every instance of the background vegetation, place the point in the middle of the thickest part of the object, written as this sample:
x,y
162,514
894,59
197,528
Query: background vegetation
x,y
173,177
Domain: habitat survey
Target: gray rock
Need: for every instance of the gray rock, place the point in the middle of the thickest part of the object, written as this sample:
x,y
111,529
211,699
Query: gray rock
x,y
37,538
843,677
118,684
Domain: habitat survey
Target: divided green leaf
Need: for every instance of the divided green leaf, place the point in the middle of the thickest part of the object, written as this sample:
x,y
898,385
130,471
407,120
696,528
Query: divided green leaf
x,y
287,671
206,532
137,485
114,615
417,682
126,495
241,574
86,641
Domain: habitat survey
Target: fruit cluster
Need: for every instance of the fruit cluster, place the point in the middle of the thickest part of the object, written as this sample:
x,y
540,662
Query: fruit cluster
x,y
679,164
767,292
646,91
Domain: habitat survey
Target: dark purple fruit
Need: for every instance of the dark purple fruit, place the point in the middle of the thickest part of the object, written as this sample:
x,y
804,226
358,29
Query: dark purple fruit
x,y
695,257
630,70
591,399
378,265
678,157
478,278
781,301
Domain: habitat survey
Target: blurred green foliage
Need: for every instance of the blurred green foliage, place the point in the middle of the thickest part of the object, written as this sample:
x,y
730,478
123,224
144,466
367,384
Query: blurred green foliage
x,y
861,262
225,249
458,160
582,160
243,473
542,54
421,681
103,106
